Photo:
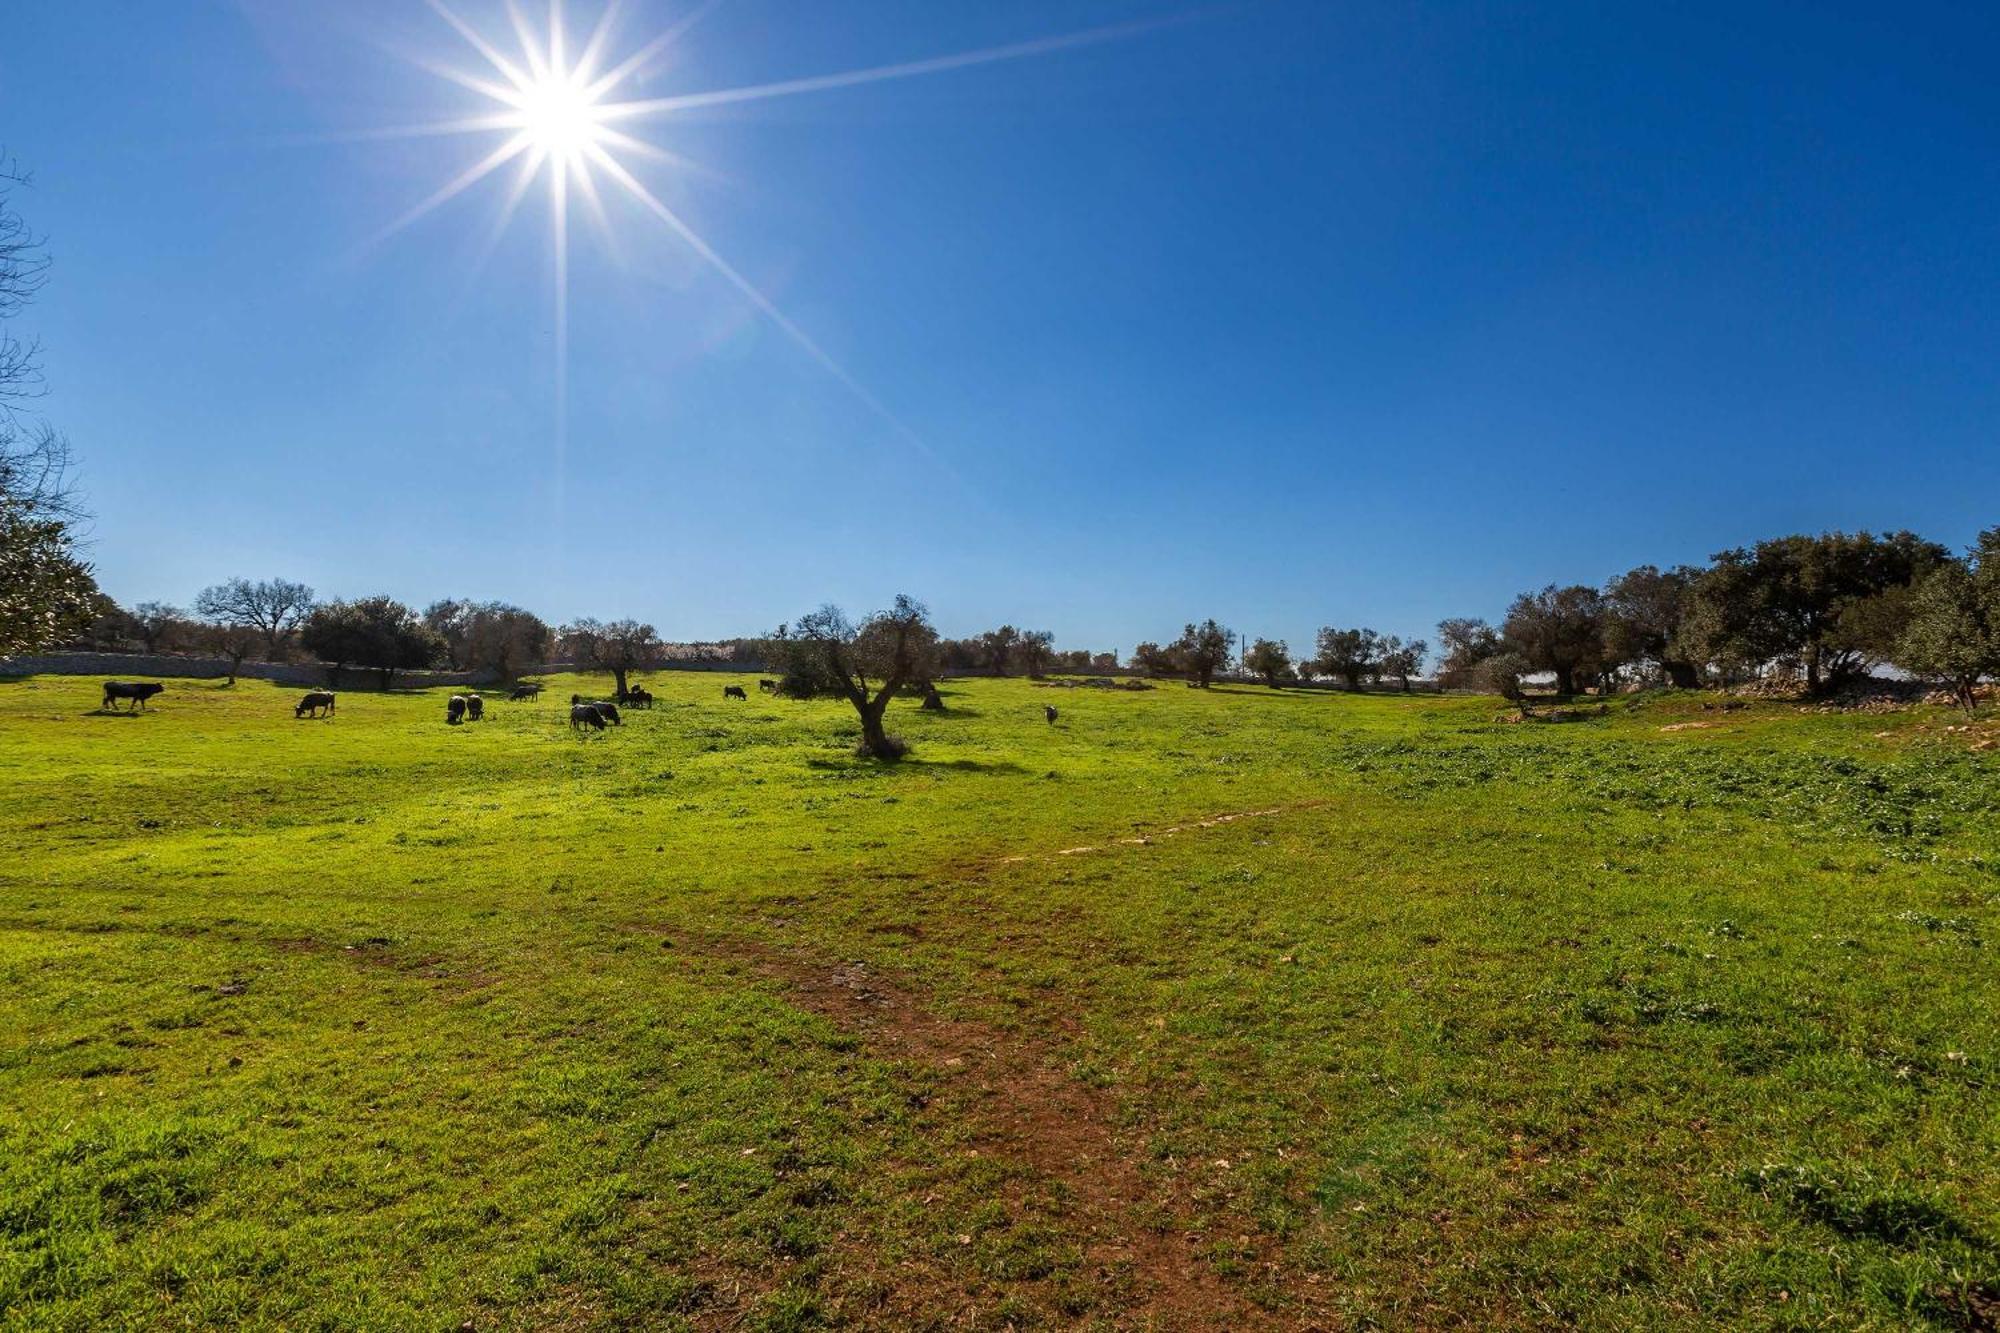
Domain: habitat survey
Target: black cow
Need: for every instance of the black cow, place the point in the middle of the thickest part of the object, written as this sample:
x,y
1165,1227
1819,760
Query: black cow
x,y
1050,709
607,711
636,697
318,703
454,710
475,708
136,691
583,715
734,692
520,692
768,686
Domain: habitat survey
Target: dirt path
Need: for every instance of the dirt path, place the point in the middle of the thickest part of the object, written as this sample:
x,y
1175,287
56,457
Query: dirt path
x,y
1014,1099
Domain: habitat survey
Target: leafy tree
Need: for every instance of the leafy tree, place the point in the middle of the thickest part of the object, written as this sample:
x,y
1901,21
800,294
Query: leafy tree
x,y
1793,601
158,625
1559,630
47,593
272,607
1645,621
826,655
493,636
1953,634
1155,660
1350,654
1270,660
1399,661
1034,650
1201,651
1464,643
379,633
1501,673
621,647
997,648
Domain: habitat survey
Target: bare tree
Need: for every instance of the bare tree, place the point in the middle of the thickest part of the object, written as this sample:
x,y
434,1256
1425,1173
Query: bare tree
x,y
825,654
46,590
621,647
272,607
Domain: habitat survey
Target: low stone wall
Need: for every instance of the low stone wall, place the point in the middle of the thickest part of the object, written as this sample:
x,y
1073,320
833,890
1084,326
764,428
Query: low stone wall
x,y
127,665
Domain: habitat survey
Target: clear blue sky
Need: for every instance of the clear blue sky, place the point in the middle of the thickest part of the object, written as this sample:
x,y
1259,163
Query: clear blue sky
x,y
1287,313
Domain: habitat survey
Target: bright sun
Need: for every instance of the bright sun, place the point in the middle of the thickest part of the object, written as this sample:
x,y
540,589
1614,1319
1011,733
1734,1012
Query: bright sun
x,y
559,117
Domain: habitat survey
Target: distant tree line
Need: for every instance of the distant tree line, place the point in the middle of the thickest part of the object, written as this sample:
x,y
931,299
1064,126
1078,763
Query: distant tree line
x,y
1827,609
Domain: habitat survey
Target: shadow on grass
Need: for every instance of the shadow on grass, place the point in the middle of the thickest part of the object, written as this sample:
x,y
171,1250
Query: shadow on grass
x,y
856,764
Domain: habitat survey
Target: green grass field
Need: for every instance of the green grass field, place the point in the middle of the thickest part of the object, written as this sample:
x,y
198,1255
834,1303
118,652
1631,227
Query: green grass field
x,y
1198,1009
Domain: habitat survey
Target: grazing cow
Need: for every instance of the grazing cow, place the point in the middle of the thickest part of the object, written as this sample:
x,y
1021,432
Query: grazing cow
x,y
607,711
583,715
1050,710
768,686
135,691
454,710
319,703
636,697
475,708
520,692
735,692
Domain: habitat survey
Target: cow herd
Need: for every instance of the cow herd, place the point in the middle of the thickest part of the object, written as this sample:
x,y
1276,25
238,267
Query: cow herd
x,y
585,715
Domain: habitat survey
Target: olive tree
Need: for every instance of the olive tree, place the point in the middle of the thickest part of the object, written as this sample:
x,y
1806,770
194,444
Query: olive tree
x,y
1270,660
621,647
1350,654
1646,621
379,633
1827,604
1953,634
827,655
1559,630
1201,651
1399,661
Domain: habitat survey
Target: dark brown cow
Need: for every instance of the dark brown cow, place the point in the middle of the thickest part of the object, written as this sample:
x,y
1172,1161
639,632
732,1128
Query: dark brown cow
x,y
319,703
1050,709
734,692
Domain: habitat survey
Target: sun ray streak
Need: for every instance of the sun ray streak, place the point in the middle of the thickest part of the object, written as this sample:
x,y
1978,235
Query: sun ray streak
x,y
593,47
506,67
478,171
750,292
530,48
509,120
617,139
876,74
559,199
638,59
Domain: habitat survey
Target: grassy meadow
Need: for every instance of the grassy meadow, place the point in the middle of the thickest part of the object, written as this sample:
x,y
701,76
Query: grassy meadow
x,y
1196,1009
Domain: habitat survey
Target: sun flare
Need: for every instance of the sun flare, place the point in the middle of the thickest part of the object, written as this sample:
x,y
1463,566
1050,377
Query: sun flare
x,y
560,117
558,111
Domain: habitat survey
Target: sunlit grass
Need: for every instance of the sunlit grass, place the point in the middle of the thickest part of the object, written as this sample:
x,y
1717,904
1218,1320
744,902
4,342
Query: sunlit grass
x,y
381,1023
